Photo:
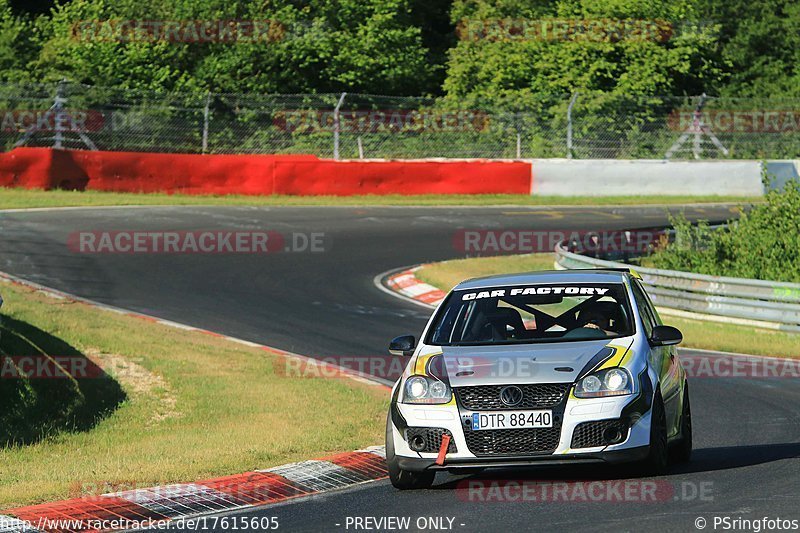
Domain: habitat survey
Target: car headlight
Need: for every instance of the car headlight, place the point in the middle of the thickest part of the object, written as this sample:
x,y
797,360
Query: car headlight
x,y
423,389
610,382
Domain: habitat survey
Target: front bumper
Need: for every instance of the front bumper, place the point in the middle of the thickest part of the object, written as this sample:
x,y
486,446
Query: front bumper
x,y
575,412
419,464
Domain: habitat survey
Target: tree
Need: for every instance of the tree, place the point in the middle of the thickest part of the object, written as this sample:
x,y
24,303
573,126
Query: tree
x,y
327,45
760,46
511,50
16,46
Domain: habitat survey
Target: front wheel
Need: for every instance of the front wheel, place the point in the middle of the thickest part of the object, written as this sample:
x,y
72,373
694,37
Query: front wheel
x,y
657,459
403,479
682,451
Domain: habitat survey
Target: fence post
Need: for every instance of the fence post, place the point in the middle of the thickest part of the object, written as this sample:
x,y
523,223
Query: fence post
x,y
697,146
206,115
336,126
58,106
517,119
569,124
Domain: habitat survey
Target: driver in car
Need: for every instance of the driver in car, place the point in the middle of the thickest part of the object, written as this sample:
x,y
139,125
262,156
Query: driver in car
x,y
596,319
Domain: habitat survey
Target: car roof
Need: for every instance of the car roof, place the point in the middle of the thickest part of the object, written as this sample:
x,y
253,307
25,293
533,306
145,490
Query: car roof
x,y
546,276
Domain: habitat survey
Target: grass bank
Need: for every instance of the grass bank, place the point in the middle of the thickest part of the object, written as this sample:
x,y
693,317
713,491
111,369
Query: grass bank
x,y
696,333
167,406
23,198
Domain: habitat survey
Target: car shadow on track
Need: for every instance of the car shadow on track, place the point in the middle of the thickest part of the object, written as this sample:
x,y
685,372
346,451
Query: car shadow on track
x,y
703,460
727,457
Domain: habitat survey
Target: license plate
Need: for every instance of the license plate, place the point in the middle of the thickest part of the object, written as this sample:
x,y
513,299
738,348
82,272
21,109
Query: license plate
x,y
512,420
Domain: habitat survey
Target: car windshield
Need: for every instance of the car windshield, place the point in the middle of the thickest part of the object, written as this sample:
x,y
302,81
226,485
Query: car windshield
x,y
533,313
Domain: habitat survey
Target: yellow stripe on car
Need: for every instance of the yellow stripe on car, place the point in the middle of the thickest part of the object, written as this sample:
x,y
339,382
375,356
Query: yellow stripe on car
x,y
421,366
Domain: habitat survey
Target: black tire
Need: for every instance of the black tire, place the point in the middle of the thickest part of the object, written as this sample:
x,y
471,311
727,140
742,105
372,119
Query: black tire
x,y
404,479
682,450
657,460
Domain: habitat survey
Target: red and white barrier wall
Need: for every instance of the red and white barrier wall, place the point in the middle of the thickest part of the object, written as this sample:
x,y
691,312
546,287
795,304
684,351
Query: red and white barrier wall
x,y
44,168
643,177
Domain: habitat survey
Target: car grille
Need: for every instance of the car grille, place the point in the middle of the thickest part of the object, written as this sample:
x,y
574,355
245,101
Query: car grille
x,y
433,438
513,441
487,397
590,434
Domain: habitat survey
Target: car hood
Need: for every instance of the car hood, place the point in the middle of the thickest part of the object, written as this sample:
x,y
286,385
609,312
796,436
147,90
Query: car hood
x,y
522,364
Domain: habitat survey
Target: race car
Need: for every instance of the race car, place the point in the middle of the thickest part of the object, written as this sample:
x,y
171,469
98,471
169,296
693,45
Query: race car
x,y
547,367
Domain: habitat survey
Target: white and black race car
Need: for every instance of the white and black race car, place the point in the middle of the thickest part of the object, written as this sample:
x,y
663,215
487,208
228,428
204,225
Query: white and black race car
x,y
523,369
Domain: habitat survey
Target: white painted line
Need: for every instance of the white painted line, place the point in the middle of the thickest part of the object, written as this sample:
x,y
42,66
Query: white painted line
x,y
377,281
532,208
177,325
79,207
407,284
417,289
246,343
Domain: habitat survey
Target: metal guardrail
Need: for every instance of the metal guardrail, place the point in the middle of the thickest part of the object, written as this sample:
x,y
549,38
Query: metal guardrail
x,y
769,304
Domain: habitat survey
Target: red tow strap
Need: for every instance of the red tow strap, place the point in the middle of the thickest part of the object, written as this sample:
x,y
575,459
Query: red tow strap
x,y
443,449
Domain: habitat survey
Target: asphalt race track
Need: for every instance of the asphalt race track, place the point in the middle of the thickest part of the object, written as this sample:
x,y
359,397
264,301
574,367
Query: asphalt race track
x,y
747,431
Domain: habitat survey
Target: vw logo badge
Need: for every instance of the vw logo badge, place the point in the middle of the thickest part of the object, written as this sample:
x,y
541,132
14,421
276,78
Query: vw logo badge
x,y
511,396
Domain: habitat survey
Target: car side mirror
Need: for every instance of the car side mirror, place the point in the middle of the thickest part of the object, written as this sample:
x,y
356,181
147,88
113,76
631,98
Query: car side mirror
x,y
665,336
403,345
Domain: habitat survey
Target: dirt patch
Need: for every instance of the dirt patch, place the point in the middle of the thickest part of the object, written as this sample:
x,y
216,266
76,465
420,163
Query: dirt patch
x,y
139,383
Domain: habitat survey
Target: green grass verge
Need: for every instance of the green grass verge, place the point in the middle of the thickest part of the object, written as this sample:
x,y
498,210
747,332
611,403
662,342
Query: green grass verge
x,y
176,406
696,333
22,198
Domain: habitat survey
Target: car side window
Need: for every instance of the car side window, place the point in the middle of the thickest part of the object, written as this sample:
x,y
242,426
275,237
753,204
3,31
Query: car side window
x,y
653,311
645,310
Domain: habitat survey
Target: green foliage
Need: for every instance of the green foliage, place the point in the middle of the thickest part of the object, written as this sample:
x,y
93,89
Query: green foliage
x,y
470,54
415,47
763,244
16,46
327,46
503,66
759,46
